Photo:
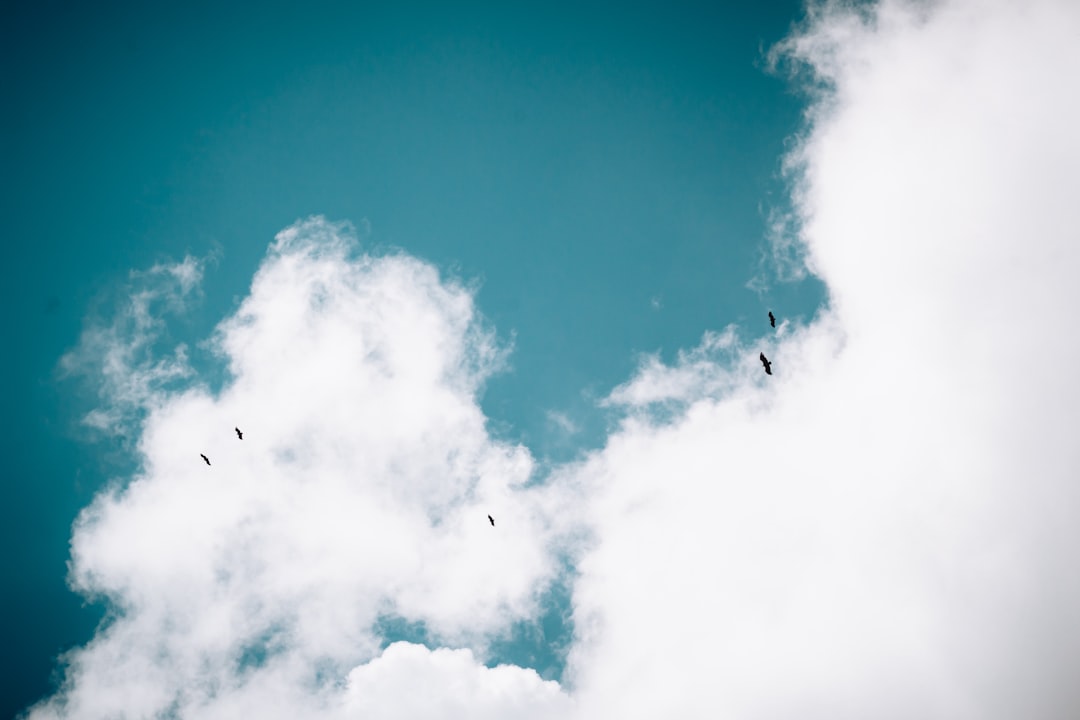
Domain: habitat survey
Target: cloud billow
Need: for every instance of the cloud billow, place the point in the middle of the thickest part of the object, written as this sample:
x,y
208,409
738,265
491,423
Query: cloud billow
x,y
360,490
888,526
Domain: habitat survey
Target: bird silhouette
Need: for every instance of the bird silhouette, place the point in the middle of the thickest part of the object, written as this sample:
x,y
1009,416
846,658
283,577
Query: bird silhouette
x,y
205,458
492,520
766,363
772,320
238,433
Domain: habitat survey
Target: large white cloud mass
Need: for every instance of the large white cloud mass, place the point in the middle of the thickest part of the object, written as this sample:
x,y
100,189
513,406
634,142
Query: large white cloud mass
x,y
888,527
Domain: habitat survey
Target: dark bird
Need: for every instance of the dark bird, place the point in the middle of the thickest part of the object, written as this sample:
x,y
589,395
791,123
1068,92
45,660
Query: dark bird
x,y
766,363
492,520
238,433
205,458
772,320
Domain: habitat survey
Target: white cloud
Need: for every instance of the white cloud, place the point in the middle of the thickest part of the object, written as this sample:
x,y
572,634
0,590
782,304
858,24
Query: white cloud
x,y
410,682
886,527
121,354
360,490
696,373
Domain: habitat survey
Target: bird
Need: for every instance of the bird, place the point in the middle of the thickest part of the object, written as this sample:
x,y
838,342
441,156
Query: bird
x,y
766,363
492,520
205,458
772,320
238,433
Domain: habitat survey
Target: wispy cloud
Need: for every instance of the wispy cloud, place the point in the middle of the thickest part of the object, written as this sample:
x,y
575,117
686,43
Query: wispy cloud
x,y
688,379
563,422
120,355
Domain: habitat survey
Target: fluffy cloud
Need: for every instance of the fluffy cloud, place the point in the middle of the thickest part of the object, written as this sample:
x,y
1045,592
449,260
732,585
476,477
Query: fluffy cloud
x,y
410,682
886,527
359,493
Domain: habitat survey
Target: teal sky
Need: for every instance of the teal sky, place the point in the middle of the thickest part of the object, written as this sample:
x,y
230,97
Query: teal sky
x,y
603,173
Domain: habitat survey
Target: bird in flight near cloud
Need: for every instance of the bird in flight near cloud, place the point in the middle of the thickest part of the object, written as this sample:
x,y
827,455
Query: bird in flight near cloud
x,y
238,433
766,363
492,520
772,320
205,458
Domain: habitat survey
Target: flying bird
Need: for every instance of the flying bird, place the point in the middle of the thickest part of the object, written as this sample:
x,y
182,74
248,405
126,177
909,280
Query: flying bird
x,y
492,520
205,458
238,433
772,320
766,363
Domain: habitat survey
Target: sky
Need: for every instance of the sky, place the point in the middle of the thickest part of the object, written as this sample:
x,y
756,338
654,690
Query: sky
x,y
444,265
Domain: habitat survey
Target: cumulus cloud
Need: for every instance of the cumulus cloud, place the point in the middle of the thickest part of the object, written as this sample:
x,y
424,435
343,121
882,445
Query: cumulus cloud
x,y
359,493
410,682
887,527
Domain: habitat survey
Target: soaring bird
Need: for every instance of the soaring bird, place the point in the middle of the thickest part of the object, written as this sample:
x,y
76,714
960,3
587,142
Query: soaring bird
x,y
205,458
766,363
772,320
492,520
238,433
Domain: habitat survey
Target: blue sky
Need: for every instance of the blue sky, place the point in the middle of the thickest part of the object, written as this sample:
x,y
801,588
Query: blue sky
x,y
438,262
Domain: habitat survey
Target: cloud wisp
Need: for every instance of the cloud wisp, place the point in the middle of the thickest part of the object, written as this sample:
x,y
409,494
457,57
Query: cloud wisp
x,y
122,354
886,527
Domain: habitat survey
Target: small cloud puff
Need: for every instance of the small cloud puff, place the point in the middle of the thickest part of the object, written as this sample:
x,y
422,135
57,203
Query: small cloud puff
x,y
411,682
